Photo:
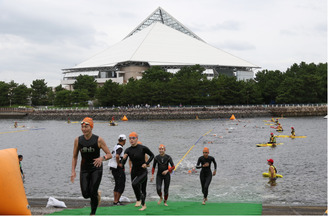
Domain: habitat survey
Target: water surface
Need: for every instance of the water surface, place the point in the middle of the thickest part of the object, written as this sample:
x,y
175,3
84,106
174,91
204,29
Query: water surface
x,y
47,149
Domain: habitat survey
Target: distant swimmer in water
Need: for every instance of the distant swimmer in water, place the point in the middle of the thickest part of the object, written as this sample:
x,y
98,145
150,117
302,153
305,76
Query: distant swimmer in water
x,y
15,124
91,169
204,162
138,174
163,175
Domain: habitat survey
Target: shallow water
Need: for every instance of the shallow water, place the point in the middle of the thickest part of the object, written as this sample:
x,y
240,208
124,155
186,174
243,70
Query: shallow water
x,y
47,149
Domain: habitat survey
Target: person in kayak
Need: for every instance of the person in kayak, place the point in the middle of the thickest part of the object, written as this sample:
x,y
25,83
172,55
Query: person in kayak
x,y
204,162
91,169
138,173
272,171
293,131
272,140
279,128
163,175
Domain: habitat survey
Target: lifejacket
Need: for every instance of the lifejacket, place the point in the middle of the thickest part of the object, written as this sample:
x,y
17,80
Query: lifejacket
x,y
275,171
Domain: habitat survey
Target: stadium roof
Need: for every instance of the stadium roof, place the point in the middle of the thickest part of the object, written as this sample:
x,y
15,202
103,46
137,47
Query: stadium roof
x,y
161,40
160,15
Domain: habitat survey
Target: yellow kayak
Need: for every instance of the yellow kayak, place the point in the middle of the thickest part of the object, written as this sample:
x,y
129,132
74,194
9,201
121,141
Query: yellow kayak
x,y
290,136
267,144
265,174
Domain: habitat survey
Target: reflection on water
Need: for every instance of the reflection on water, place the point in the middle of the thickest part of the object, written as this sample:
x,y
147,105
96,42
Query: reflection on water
x,y
47,151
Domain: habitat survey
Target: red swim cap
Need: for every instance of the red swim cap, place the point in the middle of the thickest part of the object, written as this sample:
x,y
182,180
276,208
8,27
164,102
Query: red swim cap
x,y
270,160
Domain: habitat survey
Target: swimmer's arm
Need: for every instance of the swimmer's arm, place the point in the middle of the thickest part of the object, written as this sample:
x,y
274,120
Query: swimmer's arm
x,y
271,172
153,169
215,167
171,164
74,159
198,166
148,151
102,145
124,159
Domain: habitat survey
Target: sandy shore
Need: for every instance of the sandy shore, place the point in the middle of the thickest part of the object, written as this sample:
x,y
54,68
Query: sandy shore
x,y
38,207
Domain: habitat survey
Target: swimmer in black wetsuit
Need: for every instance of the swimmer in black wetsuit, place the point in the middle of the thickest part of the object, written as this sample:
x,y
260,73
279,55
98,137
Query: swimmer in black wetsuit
x,y
136,154
163,160
91,169
205,174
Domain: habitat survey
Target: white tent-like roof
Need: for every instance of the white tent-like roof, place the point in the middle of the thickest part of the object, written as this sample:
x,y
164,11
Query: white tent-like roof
x,y
161,45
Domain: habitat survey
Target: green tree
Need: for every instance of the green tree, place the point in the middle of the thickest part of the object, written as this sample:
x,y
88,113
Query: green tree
x,y
11,93
251,93
63,98
303,83
186,85
109,94
59,88
39,92
4,93
131,92
80,97
51,96
154,86
268,82
20,95
85,82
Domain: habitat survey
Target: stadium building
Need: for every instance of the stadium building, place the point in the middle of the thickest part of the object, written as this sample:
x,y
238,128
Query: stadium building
x,y
160,40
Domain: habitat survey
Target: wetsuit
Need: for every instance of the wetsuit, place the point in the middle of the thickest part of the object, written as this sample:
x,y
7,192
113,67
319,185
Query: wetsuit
x,y
163,163
205,174
90,176
117,171
138,173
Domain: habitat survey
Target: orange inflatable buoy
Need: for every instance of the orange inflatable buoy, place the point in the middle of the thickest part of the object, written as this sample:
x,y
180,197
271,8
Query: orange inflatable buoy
x,y
232,117
124,118
13,199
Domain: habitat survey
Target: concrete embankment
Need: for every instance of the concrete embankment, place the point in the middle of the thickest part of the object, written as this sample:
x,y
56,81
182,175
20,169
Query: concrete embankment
x,y
179,112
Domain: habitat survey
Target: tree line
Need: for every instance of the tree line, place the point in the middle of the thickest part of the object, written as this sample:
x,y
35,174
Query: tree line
x,y
301,83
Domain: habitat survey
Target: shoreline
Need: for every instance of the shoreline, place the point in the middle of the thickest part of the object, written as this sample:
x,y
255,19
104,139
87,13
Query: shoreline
x,y
38,207
167,113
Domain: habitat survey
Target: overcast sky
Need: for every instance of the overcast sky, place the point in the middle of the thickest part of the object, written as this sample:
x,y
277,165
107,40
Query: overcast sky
x,y
39,38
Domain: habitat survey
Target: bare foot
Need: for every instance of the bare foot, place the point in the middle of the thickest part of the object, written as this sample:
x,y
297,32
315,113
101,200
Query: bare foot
x,y
160,200
143,208
138,203
165,203
204,201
